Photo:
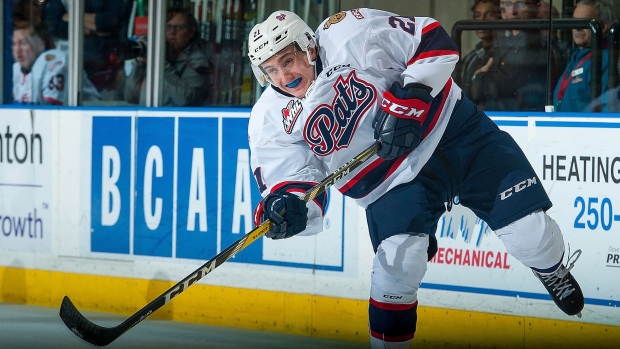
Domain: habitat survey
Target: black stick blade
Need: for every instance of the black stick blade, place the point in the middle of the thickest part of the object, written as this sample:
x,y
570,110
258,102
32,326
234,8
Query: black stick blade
x,y
84,328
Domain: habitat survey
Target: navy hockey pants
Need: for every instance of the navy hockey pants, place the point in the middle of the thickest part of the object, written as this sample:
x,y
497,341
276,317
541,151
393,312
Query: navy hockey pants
x,y
477,165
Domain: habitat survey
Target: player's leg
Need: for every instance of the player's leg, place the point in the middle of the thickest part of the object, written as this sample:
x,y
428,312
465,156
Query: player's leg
x,y
401,225
398,268
536,241
501,187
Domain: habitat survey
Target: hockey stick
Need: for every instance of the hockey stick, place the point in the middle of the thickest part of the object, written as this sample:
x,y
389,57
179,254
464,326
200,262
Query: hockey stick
x,y
98,335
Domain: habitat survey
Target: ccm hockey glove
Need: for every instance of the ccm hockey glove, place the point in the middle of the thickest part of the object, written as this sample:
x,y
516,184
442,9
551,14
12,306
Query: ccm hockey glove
x,y
398,125
287,212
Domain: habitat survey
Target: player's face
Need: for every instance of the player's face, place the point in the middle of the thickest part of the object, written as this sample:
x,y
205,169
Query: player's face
x,y
582,37
290,71
26,47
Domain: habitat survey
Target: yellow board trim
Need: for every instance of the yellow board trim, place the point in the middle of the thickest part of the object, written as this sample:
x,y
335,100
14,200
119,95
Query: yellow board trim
x,y
308,315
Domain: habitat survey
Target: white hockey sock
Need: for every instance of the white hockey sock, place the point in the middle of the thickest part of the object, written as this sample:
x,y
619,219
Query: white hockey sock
x,y
535,240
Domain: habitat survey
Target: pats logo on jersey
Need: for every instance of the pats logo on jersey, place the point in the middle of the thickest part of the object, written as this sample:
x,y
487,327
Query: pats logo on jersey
x,y
290,114
331,127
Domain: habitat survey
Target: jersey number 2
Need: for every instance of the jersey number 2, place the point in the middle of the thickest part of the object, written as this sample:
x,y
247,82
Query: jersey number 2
x,y
405,23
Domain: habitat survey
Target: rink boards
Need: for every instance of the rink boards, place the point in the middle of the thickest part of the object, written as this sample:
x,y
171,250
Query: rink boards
x,y
113,206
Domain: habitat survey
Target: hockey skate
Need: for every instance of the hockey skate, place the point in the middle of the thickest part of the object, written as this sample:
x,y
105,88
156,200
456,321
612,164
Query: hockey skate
x,y
563,287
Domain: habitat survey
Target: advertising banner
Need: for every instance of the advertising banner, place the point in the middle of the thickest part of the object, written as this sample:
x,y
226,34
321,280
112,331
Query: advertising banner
x,y
181,187
580,169
194,193
26,178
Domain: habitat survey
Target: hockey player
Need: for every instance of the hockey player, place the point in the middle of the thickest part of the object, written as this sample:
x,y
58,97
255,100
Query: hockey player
x,y
364,75
40,73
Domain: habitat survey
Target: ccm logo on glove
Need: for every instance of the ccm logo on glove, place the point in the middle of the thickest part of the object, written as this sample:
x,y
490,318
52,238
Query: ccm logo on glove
x,y
398,126
407,109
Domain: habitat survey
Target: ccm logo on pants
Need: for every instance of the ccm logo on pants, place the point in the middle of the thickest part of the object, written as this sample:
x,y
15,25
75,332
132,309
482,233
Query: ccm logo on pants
x,y
517,188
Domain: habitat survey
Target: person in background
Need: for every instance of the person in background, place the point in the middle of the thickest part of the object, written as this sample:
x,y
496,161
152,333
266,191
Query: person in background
x,y
27,12
367,76
480,55
515,78
572,92
543,11
40,71
104,27
187,68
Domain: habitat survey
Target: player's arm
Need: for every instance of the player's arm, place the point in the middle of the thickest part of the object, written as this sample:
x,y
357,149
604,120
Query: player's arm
x,y
284,171
420,44
434,59
399,124
288,214
282,177
428,56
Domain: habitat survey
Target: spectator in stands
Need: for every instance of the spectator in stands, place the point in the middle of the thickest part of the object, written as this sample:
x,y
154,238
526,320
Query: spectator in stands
x,y
479,56
543,11
104,25
39,71
572,92
187,69
515,77
27,12
562,46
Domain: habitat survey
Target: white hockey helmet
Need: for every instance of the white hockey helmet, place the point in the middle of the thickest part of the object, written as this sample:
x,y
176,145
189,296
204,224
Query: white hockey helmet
x,y
279,30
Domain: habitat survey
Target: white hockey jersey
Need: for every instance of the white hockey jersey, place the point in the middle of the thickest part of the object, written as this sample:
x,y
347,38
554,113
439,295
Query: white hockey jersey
x,y
295,143
46,83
